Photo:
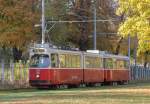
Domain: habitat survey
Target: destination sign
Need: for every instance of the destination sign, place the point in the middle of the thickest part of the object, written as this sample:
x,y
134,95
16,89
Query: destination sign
x,y
39,50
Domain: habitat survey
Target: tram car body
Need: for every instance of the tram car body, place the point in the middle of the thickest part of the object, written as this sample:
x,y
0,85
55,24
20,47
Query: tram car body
x,y
116,69
53,67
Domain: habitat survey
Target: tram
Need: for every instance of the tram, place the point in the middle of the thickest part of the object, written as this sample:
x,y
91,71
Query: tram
x,y
51,67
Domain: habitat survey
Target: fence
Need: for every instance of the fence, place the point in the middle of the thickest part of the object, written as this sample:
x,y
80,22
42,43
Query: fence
x,y
15,75
139,73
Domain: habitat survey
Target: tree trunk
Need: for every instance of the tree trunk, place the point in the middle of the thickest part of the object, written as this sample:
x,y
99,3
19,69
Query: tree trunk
x,y
17,54
84,28
118,46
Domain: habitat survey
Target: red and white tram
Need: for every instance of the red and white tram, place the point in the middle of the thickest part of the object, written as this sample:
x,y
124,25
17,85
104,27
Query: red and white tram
x,y
54,67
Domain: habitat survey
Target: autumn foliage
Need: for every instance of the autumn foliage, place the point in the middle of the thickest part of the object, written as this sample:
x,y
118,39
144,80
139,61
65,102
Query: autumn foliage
x,y
16,23
137,21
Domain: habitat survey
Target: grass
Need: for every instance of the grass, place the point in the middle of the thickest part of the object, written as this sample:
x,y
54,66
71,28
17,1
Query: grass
x,y
128,94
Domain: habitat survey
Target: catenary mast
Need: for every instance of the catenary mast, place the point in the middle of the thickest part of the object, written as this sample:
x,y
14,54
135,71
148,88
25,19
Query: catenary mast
x,y
43,21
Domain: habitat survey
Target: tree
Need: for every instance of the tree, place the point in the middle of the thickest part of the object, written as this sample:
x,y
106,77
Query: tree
x,y
137,22
58,32
80,34
81,11
16,23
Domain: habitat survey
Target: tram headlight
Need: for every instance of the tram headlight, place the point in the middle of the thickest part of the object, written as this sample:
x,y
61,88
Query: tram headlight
x,y
37,76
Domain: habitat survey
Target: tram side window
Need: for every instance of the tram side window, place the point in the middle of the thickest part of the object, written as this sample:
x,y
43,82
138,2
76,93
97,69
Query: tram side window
x,y
69,61
122,64
74,61
126,64
78,61
62,59
114,63
92,62
88,63
97,62
109,64
101,63
54,60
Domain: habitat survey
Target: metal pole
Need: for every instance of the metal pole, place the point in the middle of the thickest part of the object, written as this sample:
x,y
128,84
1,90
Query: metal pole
x,y
12,71
135,50
3,72
43,21
129,42
94,35
135,57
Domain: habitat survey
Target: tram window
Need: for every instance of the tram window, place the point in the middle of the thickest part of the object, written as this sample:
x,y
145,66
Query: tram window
x,y
40,61
54,60
88,64
101,62
97,62
78,61
114,63
74,61
122,64
62,59
126,64
92,62
69,61
109,63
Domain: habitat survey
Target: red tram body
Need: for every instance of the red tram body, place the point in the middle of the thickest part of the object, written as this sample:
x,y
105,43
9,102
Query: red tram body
x,y
119,73
54,67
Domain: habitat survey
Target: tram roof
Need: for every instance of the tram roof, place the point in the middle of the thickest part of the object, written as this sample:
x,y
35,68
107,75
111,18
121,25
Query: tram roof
x,y
88,52
116,56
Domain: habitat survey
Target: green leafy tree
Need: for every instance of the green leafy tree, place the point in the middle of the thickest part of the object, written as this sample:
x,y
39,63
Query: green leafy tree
x,y
80,34
57,33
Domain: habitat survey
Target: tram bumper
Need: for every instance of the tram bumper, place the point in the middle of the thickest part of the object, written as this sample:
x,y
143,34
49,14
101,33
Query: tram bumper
x,y
39,82
39,77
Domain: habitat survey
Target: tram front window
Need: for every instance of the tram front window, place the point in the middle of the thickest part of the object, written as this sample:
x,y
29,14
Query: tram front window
x,y
40,61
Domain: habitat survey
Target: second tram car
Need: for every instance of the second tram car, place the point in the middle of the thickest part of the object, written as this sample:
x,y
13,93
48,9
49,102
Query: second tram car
x,y
50,67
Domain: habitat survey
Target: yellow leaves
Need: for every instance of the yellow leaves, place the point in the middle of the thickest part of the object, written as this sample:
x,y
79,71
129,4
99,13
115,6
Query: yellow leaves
x,y
122,8
137,21
143,46
128,28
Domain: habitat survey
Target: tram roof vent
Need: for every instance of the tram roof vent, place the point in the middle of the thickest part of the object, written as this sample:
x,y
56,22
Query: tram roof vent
x,y
93,51
41,46
103,52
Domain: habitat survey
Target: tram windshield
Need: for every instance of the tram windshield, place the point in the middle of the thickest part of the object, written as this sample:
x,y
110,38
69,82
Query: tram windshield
x,y
40,61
